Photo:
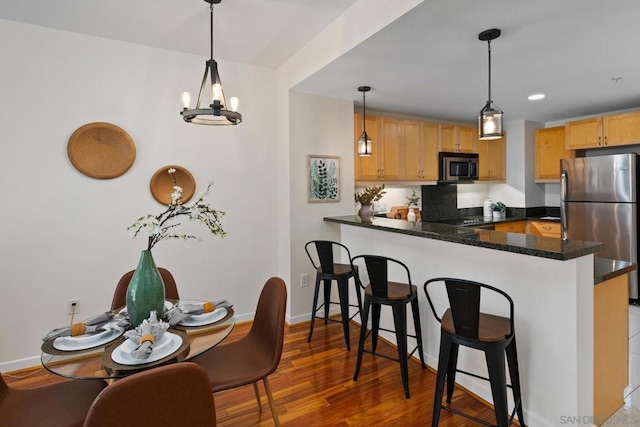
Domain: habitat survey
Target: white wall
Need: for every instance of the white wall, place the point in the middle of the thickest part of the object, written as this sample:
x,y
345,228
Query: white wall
x,y
63,235
320,126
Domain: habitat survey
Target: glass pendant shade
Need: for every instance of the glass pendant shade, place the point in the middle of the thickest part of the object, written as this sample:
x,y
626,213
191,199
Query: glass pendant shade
x,y
490,122
364,145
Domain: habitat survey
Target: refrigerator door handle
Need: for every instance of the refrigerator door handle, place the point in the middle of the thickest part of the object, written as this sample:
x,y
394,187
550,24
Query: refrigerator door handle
x,y
563,208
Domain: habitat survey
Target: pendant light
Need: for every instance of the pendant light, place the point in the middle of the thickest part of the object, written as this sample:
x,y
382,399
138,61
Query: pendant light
x,y
490,117
211,108
364,142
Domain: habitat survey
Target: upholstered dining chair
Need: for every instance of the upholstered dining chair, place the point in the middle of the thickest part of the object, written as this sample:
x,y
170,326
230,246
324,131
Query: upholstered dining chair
x,y
170,395
64,404
255,356
120,294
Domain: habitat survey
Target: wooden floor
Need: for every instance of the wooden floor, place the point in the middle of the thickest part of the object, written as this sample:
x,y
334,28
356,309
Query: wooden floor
x,y
314,386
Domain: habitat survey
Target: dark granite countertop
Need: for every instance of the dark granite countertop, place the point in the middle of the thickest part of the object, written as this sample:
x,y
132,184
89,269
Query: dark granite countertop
x,y
544,247
605,269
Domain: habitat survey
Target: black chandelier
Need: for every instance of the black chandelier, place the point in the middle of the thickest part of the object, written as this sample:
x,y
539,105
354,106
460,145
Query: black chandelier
x,y
216,112
364,142
490,117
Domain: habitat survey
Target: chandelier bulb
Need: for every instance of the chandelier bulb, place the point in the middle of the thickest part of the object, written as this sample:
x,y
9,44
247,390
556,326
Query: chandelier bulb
x,y
216,91
186,99
234,103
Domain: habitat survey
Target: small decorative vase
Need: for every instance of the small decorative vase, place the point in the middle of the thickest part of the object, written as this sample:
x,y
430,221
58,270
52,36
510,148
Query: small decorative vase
x,y
366,213
497,214
411,216
146,291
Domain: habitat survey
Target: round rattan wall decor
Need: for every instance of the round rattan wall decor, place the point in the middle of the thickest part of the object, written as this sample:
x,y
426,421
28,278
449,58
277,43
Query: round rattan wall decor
x,y
101,150
162,184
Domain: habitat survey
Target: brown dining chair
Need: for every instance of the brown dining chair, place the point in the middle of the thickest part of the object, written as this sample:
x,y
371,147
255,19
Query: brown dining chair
x,y
256,355
66,402
172,395
120,294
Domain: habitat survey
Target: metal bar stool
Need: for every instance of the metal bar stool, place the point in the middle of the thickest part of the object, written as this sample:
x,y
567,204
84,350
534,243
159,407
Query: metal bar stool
x,y
326,271
464,324
379,292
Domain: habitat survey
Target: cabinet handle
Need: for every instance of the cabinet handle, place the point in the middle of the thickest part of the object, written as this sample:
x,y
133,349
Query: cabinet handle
x,y
381,173
378,173
599,140
605,140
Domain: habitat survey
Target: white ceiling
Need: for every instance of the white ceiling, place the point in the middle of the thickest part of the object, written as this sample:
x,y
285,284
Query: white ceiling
x,y
427,63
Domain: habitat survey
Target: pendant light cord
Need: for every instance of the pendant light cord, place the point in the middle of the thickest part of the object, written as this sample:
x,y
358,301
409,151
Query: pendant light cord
x,y
489,48
364,112
211,27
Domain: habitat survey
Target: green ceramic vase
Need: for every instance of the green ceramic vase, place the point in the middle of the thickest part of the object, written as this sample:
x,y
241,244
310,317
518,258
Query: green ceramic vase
x,y
146,291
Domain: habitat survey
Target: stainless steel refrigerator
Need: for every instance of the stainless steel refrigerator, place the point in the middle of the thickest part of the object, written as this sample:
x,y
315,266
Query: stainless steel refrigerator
x,y
599,198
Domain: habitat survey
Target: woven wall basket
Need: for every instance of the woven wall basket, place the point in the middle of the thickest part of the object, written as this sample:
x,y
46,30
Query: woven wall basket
x,y
162,184
101,150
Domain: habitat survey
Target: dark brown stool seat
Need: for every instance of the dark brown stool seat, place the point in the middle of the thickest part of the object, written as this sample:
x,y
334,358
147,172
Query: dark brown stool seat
x,y
328,270
464,324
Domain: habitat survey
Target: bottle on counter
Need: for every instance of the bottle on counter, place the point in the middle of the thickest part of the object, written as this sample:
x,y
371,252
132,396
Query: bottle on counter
x,y
486,208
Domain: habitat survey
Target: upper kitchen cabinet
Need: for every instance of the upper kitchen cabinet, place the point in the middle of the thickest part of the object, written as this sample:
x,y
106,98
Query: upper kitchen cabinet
x,y
550,148
390,132
491,159
420,151
607,131
367,167
457,138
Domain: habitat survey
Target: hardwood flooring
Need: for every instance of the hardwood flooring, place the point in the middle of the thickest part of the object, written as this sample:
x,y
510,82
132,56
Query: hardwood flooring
x,y
313,386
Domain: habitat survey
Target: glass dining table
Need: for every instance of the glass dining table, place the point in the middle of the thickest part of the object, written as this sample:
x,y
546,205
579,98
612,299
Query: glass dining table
x,y
108,357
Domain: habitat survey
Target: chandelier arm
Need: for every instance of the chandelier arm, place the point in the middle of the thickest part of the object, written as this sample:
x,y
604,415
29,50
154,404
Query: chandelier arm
x,y
202,86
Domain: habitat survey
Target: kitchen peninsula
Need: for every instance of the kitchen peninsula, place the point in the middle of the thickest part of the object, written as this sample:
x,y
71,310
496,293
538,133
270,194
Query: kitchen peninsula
x,y
551,282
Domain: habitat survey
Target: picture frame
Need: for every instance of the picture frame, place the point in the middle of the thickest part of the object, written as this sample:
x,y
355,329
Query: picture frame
x,y
323,178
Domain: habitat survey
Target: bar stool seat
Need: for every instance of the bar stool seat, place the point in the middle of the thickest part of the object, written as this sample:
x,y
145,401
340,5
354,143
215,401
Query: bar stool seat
x,y
464,324
380,291
328,270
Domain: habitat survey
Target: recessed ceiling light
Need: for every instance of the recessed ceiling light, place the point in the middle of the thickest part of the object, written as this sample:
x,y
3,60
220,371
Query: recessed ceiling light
x,y
536,96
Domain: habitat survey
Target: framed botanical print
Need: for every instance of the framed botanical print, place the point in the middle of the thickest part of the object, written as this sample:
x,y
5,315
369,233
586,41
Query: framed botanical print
x,y
323,178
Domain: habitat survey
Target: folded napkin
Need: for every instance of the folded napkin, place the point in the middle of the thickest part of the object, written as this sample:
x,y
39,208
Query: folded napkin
x,y
146,334
107,321
181,311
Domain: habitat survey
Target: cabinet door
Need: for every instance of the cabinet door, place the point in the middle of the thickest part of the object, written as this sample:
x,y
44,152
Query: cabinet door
x,y
390,143
430,167
366,167
466,139
621,129
550,148
412,150
491,159
583,134
447,138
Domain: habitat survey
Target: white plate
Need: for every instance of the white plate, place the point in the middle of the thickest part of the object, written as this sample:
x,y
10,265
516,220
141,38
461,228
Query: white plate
x,y
82,342
204,319
166,345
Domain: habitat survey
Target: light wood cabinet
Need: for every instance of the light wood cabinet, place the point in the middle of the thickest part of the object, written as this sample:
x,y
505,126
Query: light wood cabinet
x,y
390,144
367,168
457,139
606,131
512,227
420,151
544,228
491,159
550,148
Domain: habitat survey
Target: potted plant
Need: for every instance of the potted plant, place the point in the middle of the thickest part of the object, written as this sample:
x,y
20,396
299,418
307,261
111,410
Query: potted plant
x,y
499,209
412,202
365,198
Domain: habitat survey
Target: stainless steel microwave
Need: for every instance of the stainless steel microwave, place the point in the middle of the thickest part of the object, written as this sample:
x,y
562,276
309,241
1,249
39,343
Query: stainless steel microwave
x,y
456,167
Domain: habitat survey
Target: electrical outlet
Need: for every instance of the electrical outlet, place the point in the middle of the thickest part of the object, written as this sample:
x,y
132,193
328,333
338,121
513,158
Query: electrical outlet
x,y
73,306
304,280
